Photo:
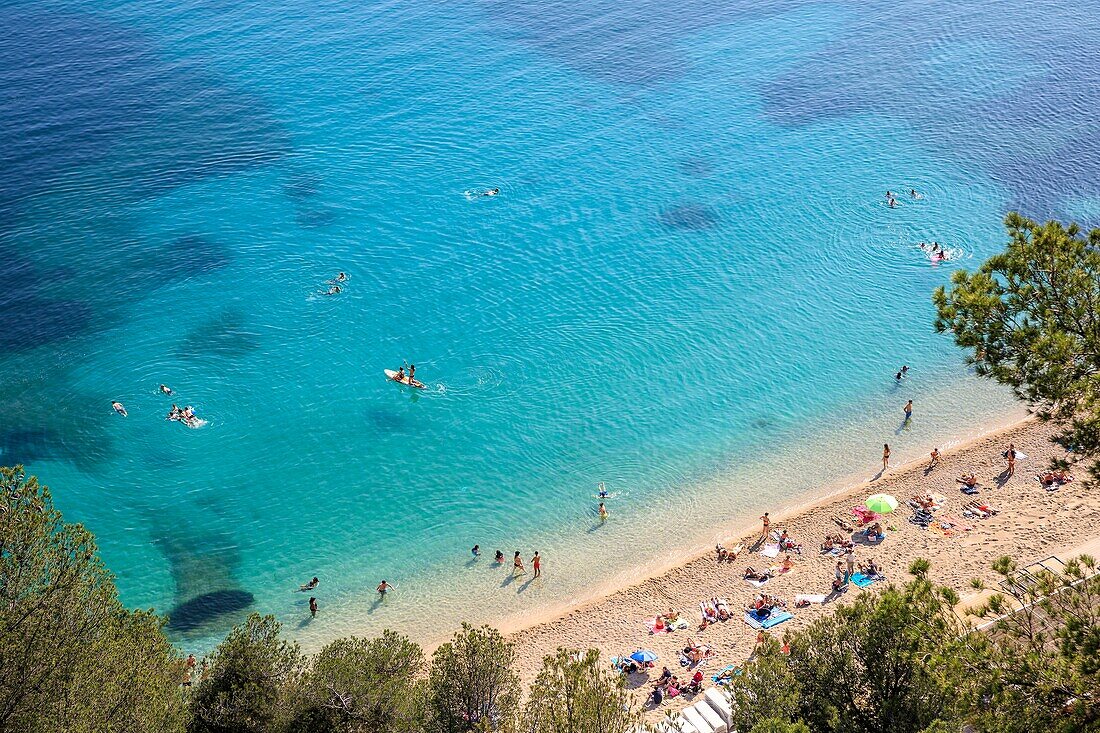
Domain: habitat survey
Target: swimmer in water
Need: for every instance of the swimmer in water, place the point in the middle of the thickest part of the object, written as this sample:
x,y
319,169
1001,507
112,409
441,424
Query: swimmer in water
x,y
602,490
310,585
341,278
491,192
119,408
476,550
498,558
334,290
892,203
174,413
913,193
165,389
383,588
603,511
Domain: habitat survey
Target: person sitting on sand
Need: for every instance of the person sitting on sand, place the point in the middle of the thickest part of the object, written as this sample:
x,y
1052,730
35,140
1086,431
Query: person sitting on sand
x,y
839,579
657,697
870,569
786,543
827,545
310,585
710,614
788,564
722,552
874,532
969,480
672,616
935,458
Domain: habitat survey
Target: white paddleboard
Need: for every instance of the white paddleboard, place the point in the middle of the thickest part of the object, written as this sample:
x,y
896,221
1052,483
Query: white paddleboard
x,y
392,376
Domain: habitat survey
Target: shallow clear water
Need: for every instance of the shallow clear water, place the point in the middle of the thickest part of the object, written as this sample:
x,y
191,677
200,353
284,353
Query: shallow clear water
x,y
689,287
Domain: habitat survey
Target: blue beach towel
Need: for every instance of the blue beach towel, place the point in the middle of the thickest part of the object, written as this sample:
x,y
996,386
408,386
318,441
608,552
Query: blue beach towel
x,y
769,621
863,581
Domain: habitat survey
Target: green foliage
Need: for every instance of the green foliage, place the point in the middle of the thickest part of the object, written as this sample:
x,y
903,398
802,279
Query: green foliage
x,y
766,688
888,662
1041,669
249,681
72,657
1030,318
919,567
772,725
471,683
574,693
363,686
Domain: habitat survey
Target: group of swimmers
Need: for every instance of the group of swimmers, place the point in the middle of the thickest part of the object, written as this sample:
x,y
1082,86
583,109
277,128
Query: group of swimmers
x,y
892,200
185,415
334,284
935,251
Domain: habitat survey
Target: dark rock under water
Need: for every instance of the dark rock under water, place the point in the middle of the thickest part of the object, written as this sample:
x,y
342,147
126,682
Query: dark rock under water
x,y
203,609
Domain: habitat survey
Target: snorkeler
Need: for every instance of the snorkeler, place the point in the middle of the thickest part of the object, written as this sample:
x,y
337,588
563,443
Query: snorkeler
x,y
165,389
119,408
491,192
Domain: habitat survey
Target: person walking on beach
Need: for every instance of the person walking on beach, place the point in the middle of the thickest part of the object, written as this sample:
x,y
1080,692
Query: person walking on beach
x,y
536,562
908,409
935,459
766,522
312,607
885,457
517,565
1010,454
850,562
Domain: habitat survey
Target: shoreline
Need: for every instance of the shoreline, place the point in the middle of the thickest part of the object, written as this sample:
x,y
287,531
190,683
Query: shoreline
x,y
1032,524
841,489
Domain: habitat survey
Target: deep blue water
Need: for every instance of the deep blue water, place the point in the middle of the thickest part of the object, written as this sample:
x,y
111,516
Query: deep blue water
x,y
689,287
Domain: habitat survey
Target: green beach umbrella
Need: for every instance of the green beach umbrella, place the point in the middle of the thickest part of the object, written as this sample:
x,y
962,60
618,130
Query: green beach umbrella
x,y
881,503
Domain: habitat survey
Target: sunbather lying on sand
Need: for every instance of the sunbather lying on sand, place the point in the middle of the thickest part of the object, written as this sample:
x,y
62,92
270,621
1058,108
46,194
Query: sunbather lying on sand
x,y
1057,476
753,574
722,552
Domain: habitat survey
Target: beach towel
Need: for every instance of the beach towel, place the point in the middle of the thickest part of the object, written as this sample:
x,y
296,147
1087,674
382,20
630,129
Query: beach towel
x,y
862,581
722,678
776,618
770,551
809,598
756,583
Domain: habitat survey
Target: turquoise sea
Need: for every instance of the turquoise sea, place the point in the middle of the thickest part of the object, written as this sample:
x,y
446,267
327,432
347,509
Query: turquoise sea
x,y
690,286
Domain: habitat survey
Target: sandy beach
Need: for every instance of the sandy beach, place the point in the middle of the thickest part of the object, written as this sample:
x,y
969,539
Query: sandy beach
x,y
1032,523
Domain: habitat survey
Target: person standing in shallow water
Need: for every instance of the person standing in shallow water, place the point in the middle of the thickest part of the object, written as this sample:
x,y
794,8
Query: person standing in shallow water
x,y
885,456
517,565
908,410
766,522
536,562
312,607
